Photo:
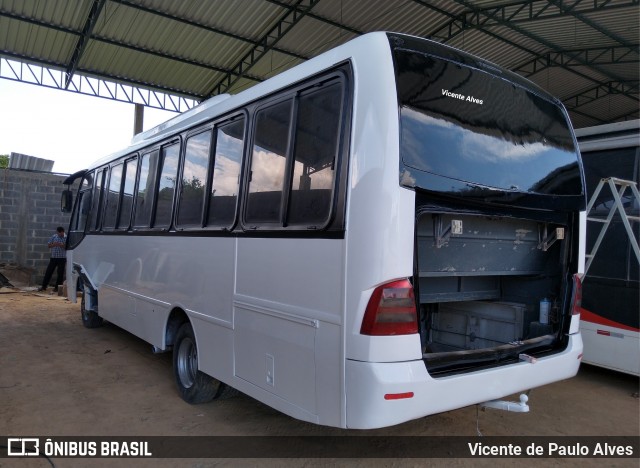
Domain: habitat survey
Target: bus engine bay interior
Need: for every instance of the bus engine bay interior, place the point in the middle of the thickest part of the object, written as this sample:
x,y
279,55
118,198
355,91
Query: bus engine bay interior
x,y
489,289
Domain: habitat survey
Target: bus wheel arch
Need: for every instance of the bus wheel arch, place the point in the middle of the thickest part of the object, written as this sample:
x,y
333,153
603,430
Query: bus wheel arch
x,y
193,385
176,319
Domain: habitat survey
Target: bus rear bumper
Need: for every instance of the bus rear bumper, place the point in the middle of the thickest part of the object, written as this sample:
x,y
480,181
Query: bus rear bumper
x,y
384,394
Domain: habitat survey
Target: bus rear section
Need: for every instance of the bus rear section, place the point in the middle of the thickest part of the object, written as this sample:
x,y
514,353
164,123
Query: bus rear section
x,y
493,300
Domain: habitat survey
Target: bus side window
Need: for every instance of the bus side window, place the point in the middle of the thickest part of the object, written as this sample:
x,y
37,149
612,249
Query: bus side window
x,y
316,146
130,171
268,162
113,197
146,183
226,174
96,206
194,179
81,212
167,185
80,217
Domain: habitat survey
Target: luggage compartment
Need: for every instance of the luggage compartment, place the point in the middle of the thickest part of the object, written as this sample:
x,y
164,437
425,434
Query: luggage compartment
x,y
480,281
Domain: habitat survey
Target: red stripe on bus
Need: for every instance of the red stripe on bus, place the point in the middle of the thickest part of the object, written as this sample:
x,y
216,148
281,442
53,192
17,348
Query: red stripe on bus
x,y
589,316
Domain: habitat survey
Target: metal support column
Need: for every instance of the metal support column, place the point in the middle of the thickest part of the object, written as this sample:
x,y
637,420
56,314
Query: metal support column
x,y
138,119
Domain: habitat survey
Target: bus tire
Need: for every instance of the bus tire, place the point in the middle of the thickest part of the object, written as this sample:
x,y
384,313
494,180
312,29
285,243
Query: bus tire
x,y
194,386
89,318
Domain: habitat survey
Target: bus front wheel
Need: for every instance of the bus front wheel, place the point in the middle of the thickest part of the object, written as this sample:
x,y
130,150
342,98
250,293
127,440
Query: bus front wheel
x,y
89,318
194,386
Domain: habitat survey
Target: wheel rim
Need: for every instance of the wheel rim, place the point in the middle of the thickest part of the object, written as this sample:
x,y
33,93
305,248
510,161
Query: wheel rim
x,y
187,362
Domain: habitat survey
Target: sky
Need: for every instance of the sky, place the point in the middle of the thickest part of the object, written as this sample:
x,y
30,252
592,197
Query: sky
x,y
69,128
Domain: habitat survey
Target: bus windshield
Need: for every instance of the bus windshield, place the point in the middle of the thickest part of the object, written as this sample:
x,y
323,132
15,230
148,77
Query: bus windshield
x,y
466,124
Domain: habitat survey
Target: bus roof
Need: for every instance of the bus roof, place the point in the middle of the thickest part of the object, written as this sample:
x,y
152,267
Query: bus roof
x,y
219,105
363,47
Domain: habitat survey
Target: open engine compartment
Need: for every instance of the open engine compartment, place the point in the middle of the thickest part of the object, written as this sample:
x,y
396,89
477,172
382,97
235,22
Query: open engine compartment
x,y
481,282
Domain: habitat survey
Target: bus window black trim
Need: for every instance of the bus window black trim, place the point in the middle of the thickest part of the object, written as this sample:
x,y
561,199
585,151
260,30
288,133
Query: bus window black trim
x,y
127,160
144,152
244,116
247,177
101,174
106,201
208,127
179,139
341,74
335,224
176,140
340,152
298,234
75,236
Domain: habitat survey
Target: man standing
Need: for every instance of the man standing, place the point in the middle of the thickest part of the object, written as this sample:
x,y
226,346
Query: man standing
x,y
57,244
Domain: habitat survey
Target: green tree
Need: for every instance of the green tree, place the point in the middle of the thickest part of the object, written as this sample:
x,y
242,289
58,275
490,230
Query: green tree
x,y
4,161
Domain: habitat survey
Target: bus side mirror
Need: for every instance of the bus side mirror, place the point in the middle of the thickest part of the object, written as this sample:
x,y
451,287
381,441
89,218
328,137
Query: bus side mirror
x,y
66,201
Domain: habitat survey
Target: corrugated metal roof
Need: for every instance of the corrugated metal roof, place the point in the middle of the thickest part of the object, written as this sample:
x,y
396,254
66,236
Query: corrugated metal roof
x,y
197,48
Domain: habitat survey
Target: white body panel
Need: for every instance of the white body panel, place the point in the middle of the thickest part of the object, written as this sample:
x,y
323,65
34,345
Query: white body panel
x,y
611,347
279,319
582,251
239,319
368,382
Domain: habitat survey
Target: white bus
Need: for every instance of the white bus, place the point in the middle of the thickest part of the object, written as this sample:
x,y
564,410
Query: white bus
x,y
362,240
611,296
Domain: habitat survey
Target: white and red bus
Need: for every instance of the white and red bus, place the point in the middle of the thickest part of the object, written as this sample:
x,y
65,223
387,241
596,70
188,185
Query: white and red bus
x,y
611,295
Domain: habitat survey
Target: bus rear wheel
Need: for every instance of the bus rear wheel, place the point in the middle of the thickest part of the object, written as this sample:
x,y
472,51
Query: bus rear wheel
x,y
89,318
194,386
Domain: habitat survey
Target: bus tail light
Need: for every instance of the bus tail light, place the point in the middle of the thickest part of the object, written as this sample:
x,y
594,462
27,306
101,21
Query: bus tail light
x,y
391,310
576,300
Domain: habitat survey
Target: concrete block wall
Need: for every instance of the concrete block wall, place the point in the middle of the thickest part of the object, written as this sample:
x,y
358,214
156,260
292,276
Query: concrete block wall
x,y
29,215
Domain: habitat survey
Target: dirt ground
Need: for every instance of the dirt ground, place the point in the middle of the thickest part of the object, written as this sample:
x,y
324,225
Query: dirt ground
x,y
59,379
